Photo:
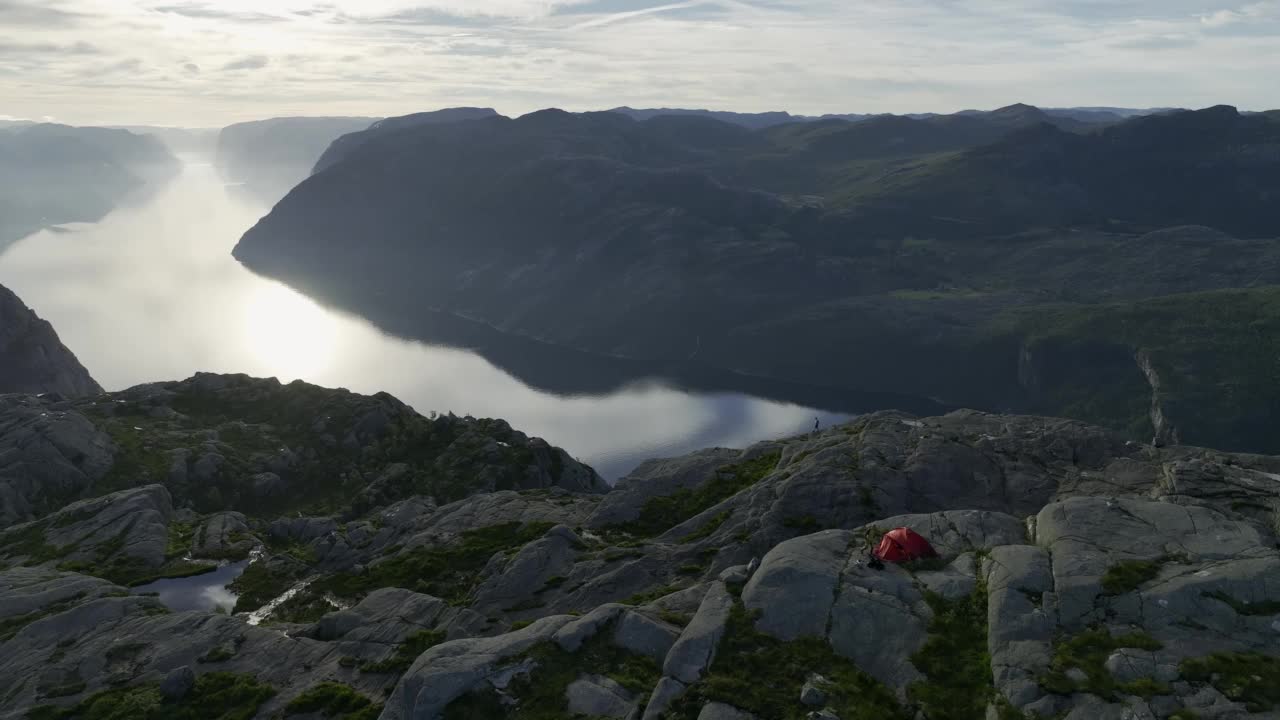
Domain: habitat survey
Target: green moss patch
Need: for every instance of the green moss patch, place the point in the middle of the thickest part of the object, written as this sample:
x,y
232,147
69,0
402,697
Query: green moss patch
x,y
660,514
446,571
258,585
305,606
216,696
1266,607
708,527
406,652
1129,575
1088,652
334,700
764,676
954,659
11,625
29,541
540,695
1250,678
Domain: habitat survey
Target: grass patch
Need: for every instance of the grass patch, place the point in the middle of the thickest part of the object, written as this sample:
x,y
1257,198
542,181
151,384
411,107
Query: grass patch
x,y
258,585
540,695
218,654
648,596
306,606
29,541
448,571
1088,652
708,527
954,659
660,514
1129,575
764,676
1266,607
406,652
216,696
1249,678
333,700
11,625
675,618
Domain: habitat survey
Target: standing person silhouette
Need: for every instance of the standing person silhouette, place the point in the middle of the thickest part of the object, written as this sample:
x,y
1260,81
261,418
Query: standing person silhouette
x,y
816,424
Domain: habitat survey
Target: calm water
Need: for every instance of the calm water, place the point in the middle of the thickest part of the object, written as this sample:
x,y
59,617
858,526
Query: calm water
x,y
152,293
200,592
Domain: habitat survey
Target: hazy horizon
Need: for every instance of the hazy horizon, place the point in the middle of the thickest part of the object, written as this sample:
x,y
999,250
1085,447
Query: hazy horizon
x,y
203,65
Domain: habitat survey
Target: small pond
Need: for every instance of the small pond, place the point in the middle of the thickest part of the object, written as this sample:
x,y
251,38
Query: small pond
x,y
207,592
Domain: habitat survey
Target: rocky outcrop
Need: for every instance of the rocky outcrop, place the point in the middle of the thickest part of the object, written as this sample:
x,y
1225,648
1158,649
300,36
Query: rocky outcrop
x,y
32,358
1079,576
235,443
49,455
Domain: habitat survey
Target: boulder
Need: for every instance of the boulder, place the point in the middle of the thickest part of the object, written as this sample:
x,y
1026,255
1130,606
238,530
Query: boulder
x,y
878,620
667,691
178,683
645,636
528,571
447,671
597,696
696,647
795,586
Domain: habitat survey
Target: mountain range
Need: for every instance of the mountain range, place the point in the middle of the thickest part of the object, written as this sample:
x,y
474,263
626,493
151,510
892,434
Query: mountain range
x,y
1122,273
52,174
268,157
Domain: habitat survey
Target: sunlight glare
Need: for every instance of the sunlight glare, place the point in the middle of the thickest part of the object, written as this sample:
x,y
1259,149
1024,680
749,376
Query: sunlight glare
x,y
290,336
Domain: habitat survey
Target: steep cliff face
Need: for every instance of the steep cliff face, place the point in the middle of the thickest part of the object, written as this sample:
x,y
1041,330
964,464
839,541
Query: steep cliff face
x,y
33,359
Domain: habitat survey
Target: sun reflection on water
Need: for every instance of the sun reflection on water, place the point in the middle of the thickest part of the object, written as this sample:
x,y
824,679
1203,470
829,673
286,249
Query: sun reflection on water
x,y
289,334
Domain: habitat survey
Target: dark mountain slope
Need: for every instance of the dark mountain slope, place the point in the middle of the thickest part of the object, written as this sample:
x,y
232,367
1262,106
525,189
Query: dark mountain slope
x,y
346,144
52,174
929,275
1212,167
33,359
269,157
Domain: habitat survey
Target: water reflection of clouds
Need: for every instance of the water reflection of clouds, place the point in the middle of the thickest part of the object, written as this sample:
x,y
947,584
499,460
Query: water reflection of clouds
x,y
218,597
152,293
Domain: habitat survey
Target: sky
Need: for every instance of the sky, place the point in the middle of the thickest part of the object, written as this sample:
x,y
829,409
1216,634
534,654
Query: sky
x,y
209,63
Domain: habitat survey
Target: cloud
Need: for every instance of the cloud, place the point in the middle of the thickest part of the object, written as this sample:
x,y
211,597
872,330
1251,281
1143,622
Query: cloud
x,y
204,11
8,47
1269,9
388,57
1156,42
127,65
40,14
252,62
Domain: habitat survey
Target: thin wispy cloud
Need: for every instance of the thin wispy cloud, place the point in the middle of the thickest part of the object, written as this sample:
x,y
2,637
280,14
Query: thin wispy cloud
x,y
253,62
200,61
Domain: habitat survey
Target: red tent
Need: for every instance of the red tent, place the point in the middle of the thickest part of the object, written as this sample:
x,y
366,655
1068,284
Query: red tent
x,y
904,545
